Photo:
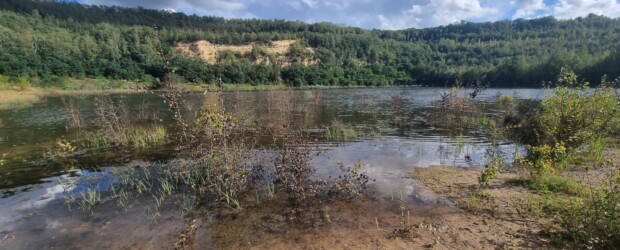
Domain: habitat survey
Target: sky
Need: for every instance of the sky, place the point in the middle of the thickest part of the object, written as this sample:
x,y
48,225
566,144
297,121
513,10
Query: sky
x,y
381,14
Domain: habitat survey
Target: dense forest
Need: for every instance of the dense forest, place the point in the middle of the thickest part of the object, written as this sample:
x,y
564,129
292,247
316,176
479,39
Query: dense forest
x,y
48,41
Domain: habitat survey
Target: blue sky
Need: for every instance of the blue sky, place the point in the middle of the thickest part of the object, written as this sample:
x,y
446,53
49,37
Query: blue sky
x,y
383,14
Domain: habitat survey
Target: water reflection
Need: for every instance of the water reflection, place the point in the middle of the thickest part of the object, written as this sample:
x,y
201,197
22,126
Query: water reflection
x,y
391,113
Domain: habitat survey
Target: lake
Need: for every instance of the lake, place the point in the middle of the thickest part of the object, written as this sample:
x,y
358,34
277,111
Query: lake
x,y
392,137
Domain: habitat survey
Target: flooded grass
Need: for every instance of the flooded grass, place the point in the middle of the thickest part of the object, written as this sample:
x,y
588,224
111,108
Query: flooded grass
x,y
339,131
137,137
19,99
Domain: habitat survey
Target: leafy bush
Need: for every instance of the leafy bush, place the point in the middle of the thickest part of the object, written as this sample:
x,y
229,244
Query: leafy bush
x,y
594,222
576,114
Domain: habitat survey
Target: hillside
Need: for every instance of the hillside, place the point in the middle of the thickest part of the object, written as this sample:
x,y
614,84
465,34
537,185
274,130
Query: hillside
x,y
47,41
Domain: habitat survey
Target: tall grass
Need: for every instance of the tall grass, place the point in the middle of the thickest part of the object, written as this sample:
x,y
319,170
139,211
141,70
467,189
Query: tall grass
x,y
340,131
18,99
138,137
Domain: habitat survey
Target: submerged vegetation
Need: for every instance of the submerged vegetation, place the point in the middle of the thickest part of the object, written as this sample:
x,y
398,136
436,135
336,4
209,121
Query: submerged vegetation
x,y
339,131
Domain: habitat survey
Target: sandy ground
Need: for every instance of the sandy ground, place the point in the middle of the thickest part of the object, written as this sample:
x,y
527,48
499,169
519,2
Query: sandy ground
x,y
377,223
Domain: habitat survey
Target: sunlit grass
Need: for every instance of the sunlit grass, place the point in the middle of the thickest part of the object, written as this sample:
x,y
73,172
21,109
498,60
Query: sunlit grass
x,y
15,99
135,137
339,131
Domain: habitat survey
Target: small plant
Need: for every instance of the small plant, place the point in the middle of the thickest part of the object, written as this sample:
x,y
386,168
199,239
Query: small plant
x,y
495,160
596,148
60,151
505,101
455,111
477,195
405,231
3,159
74,120
352,182
545,159
575,114
339,131
594,221
293,173
89,199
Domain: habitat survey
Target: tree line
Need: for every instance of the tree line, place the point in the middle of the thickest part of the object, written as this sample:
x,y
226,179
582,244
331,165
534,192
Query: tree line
x,y
49,40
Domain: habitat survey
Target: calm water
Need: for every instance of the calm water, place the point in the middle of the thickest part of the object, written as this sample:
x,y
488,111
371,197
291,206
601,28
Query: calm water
x,y
394,114
34,215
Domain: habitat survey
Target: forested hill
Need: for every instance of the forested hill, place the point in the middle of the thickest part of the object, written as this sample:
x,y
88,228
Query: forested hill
x,y
47,41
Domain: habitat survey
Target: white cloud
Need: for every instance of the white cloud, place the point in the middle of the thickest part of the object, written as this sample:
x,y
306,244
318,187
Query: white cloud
x,y
310,3
385,14
197,5
575,8
528,8
437,12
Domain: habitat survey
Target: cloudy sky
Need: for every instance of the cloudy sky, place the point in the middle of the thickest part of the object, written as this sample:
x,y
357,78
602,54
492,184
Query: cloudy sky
x,y
384,14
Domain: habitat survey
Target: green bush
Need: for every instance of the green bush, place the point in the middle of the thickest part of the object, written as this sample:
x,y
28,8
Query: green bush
x,y
576,114
593,222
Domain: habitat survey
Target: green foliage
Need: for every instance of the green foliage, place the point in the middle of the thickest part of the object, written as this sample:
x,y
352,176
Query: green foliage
x,y
596,148
553,183
67,39
339,131
592,222
495,160
576,114
545,159
574,118
505,101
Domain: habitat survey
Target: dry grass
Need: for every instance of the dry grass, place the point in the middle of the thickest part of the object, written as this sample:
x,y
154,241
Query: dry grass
x,y
14,99
25,98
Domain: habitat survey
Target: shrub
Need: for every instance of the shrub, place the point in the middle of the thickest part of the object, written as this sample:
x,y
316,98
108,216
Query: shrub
x,y
576,114
594,222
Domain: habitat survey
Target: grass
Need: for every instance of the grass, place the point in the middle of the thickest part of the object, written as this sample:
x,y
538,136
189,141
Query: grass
x,y
505,100
552,184
135,137
89,199
17,99
557,184
339,131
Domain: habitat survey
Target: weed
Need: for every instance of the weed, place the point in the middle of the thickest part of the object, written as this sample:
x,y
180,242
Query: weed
x,y
89,199
477,195
3,159
495,160
456,112
596,148
593,222
556,184
75,120
136,137
505,101
351,182
405,231
339,131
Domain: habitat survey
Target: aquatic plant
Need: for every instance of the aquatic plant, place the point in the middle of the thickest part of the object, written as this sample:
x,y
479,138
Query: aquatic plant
x,y
505,101
455,111
137,137
340,131
89,199
74,120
